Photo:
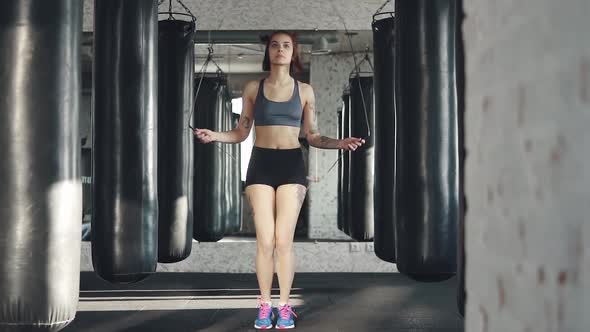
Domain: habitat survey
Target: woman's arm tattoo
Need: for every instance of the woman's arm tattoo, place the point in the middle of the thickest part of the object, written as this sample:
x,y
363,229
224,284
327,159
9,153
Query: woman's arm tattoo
x,y
326,143
246,122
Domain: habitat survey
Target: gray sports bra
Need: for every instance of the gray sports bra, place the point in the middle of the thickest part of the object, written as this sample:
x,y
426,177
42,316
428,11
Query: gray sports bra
x,y
273,113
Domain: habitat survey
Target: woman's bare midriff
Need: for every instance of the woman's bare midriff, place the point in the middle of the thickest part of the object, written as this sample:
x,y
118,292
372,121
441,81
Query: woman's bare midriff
x,y
277,137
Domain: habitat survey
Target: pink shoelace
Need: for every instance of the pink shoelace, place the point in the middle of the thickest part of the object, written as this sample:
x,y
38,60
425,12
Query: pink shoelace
x,y
265,309
285,310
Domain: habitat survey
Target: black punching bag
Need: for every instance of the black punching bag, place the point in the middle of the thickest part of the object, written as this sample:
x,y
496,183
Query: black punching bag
x,y
124,198
383,50
225,152
209,199
41,189
345,174
175,139
427,169
461,292
362,160
340,206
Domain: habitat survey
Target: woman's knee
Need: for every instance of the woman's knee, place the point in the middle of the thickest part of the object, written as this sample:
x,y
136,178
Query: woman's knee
x,y
283,246
265,247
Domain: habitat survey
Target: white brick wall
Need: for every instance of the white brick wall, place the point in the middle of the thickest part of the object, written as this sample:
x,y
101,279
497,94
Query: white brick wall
x,y
527,179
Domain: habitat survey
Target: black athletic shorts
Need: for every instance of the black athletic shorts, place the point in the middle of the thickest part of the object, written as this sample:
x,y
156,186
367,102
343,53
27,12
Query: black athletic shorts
x,y
275,167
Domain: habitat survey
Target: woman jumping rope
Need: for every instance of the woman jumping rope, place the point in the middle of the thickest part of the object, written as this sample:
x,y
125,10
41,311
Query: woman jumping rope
x,y
276,181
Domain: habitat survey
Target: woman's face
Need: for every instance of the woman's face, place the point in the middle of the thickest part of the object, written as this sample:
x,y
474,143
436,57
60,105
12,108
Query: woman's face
x,y
280,49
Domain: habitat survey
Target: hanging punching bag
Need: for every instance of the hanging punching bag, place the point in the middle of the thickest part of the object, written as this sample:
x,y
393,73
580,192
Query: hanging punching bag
x,y
383,50
175,139
461,292
427,154
340,207
41,189
345,175
362,160
209,202
125,210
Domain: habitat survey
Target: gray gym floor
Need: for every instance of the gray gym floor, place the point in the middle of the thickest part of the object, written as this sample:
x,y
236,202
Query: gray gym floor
x,y
226,302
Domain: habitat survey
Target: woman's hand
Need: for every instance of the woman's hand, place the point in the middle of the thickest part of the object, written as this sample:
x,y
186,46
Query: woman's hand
x,y
205,135
350,143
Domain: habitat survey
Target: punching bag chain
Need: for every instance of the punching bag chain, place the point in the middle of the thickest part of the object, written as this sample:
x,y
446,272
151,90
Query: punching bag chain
x,y
381,8
171,13
185,8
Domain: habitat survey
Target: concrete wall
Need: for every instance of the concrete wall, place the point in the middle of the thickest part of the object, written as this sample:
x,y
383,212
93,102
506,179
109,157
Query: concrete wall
x,y
270,14
527,179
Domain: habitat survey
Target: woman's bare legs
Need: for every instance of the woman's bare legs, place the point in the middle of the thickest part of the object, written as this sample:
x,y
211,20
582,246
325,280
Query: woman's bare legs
x,y
262,202
289,198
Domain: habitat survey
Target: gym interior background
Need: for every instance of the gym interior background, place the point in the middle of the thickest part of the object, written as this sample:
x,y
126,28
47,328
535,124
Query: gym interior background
x,y
493,97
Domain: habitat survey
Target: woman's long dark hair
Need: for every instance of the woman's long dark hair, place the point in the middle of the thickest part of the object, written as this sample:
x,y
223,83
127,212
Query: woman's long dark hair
x,y
295,65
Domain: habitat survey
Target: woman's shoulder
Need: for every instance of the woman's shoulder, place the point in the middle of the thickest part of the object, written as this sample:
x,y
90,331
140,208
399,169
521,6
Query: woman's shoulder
x,y
305,89
251,88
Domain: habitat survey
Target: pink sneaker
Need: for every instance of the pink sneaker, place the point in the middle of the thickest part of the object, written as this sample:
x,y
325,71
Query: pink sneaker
x,y
286,320
265,316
